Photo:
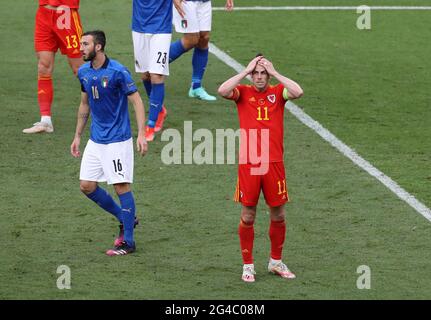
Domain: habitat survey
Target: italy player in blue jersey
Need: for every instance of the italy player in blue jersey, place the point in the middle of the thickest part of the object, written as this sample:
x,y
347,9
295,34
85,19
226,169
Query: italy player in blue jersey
x,y
106,87
193,19
151,32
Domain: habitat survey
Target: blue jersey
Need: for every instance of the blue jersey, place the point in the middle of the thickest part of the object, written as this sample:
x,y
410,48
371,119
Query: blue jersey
x,y
152,16
108,88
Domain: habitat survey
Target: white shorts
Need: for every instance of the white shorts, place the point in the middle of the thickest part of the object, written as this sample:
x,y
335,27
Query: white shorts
x,y
151,52
111,162
197,17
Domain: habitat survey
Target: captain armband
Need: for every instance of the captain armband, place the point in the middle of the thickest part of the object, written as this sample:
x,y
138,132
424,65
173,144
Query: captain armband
x,y
285,94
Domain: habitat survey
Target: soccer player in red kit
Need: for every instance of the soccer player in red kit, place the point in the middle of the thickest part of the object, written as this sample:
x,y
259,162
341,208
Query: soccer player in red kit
x,y
58,26
261,167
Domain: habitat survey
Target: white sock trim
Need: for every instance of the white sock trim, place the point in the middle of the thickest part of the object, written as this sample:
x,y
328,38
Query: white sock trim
x,y
46,119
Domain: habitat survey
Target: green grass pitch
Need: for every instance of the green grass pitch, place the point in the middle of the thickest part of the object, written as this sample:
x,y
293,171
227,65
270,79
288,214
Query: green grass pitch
x,y
370,88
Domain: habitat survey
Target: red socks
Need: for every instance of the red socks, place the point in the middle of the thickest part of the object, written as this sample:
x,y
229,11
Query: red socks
x,y
246,238
277,234
45,94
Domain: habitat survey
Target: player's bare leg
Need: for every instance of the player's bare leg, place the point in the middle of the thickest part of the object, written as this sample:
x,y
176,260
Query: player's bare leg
x,y
87,187
45,92
246,238
248,214
200,61
190,40
204,39
277,234
74,64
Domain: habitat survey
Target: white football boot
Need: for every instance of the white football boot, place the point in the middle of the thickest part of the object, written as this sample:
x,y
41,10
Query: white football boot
x,y
39,127
280,269
248,273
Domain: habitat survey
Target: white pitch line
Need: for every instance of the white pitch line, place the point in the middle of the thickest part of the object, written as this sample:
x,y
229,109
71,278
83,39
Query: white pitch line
x,y
337,143
296,8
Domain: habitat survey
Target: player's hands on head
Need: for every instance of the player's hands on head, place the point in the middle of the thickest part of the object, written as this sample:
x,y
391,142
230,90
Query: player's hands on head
x,y
74,148
142,145
179,6
249,69
267,65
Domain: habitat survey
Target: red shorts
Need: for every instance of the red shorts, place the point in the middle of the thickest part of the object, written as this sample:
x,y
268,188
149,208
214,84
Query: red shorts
x,y
273,185
58,30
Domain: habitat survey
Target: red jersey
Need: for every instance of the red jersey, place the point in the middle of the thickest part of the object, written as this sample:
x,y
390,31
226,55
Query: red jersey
x,y
261,116
73,4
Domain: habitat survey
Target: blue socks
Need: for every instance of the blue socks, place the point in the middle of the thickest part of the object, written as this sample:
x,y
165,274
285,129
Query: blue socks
x,y
105,201
176,50
199,63
156,102
148,86
128,216
125,214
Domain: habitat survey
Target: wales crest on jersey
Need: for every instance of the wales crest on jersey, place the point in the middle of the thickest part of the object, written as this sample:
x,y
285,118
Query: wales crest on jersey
x,y
271,98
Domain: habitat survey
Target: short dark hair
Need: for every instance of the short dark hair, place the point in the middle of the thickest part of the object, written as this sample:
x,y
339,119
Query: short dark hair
x,y
259,55
98,36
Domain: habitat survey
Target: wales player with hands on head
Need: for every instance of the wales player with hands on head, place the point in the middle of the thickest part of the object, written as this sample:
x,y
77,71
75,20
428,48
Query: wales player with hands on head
x,y
106,87
261,113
